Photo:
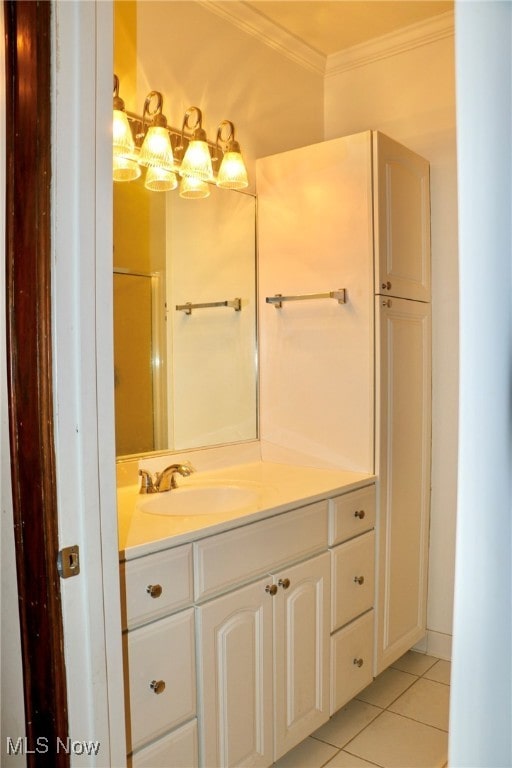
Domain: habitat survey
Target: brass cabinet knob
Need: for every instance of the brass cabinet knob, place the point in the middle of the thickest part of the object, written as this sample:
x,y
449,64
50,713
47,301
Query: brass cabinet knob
x,y
284,583
359,579
155,590
358,662
386,286
158,686
387,303
271,589
359,513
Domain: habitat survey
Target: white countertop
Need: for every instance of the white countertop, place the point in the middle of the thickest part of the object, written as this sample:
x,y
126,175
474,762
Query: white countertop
x,y
278,488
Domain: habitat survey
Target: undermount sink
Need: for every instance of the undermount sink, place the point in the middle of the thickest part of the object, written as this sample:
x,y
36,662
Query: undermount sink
x,y
198,500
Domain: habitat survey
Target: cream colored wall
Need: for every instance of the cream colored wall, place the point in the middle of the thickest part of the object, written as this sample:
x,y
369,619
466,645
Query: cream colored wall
x,y
411,97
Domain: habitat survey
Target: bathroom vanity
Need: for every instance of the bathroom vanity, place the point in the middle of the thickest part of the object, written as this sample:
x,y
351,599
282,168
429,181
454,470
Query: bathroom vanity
x,y
250,622
243,635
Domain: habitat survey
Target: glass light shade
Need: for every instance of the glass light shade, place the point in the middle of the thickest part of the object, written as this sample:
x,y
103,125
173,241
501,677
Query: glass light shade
x,y
160,180
125,169
197,161
232,172
156,149
122,139
191,188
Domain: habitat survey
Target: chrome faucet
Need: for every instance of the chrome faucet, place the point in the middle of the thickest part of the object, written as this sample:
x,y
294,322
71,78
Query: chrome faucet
x,y
164,480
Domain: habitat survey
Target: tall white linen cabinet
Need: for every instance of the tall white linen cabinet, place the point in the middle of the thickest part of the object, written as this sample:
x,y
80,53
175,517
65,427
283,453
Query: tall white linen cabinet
x,y
349,384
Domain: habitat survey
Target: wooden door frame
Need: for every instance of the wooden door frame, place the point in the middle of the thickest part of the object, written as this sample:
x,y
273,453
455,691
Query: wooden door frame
x,y
29,375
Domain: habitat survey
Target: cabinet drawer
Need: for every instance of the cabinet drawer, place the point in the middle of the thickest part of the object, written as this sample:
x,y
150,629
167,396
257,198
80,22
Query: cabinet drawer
x,y
175,750
163,651
349,647
156,585
353,579
351,514
246,553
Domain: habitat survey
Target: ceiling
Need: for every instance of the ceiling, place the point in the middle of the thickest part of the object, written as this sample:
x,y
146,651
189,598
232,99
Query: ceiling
x,y
329,26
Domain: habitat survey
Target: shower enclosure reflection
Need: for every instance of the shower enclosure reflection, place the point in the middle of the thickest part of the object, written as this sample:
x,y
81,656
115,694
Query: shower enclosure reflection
x,y
184,379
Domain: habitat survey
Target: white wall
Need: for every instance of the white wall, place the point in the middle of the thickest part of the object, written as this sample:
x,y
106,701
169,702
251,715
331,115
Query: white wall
x,y
411,97
481,702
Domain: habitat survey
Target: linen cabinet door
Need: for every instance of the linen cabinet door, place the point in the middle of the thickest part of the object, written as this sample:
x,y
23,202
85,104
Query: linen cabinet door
x,y
301,649
235,678
403,440
401,194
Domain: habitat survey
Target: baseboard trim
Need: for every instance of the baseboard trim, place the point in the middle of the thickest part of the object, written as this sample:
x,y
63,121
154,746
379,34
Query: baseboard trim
x,y
435,644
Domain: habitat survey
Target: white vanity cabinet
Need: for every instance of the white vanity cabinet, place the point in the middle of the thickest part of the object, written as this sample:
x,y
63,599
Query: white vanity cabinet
x,y
159,659
352,542
235,649
264,647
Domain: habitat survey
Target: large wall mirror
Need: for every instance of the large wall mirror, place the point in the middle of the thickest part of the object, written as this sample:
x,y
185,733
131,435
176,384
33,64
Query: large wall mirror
x,y
185,376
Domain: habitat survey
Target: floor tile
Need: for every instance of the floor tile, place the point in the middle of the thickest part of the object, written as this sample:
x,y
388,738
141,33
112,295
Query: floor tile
x,y
310,753
440,672
393,741
387,687
347,723
415,663
426,701
345,760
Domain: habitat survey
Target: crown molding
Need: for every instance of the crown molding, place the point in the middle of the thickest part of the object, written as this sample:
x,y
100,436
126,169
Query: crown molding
x,y
246,18
405,39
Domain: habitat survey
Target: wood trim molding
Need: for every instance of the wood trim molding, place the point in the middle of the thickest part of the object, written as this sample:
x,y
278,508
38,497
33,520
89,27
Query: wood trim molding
x,y
29,374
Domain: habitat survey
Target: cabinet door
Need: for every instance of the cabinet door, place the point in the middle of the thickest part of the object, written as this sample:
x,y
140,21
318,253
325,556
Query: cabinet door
x,y
301,648
235,678
403,456
402,220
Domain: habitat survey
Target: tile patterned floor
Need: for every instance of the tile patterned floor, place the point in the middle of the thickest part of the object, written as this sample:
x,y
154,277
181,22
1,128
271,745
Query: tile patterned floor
x,y
399,721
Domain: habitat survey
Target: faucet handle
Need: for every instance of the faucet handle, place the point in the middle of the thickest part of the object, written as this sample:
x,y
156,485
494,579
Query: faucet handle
x,y
146,483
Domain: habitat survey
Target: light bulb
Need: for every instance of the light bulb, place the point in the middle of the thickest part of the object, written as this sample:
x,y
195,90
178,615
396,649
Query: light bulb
x,y
197,161
156,149
125,168
160,180
193,188
232,172
122,139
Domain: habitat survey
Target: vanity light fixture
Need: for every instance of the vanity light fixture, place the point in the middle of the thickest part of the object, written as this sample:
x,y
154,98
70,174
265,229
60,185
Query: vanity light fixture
x,y
192,188
122,139
124,166
168,153
197,161
232,172
160,180
156,150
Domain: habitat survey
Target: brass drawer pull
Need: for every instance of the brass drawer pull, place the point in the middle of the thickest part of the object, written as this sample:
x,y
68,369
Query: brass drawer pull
x,y
271,589
155,590
284,583
358,662
386,286
359,513
158,686
359,579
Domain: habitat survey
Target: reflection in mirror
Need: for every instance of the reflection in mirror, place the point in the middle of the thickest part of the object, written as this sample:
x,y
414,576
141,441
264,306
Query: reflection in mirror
x,y
183,379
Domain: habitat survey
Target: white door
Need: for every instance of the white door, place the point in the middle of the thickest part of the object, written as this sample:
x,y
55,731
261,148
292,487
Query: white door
x,y
403,458
235,678
301,651
401,195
